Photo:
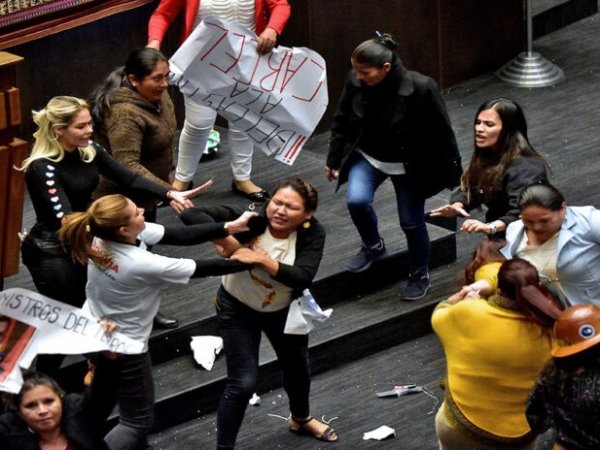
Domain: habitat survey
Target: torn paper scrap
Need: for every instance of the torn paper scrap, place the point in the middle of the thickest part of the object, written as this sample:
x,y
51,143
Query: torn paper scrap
x,y
380,433
255,400
205,349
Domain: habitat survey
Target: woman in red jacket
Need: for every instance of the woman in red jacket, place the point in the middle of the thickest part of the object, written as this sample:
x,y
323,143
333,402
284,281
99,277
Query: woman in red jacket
x,y
267,18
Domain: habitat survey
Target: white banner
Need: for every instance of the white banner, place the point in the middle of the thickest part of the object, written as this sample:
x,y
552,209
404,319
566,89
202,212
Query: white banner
x,y
277,98
59,328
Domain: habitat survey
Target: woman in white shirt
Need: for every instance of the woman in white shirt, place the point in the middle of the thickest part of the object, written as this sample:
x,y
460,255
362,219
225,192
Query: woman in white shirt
x,y
124,287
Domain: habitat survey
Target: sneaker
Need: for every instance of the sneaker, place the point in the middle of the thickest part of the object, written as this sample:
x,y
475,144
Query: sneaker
x,y
366,256
417,287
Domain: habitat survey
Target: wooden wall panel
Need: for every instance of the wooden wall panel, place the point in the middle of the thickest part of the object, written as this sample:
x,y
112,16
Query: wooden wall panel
x,y
14,208
478,37
449,41
4,176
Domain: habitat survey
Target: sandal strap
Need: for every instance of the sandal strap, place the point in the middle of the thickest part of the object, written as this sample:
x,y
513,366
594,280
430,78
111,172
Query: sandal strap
x,y
327,435
302,422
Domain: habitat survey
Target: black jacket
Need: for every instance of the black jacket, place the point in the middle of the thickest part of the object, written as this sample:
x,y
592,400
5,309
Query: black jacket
x,y
420,126
310,242
76,424
503,204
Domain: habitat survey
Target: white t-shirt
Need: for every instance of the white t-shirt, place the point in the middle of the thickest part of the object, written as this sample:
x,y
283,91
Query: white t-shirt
x,y
236,11
126,290
256,288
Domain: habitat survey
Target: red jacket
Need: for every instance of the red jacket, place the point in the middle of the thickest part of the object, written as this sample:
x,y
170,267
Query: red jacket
x,y
269,13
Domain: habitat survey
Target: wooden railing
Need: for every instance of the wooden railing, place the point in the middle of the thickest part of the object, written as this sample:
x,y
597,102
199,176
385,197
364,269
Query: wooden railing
x,y
12,152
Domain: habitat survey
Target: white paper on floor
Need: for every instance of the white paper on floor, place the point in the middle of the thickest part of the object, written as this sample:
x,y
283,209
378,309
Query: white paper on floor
x,y
379,433
205,349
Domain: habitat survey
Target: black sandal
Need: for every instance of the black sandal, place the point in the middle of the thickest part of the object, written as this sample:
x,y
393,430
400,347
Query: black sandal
x,y
329,435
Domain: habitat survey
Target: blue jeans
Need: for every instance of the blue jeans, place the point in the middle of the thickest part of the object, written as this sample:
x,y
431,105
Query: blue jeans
x,y
127,381
240,328
363,181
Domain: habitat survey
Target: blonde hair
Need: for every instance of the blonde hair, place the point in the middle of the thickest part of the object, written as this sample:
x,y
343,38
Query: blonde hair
x,y
102,219
60,111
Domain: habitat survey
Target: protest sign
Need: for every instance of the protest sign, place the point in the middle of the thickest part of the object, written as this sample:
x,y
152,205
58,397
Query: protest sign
x,y
277,99
59,328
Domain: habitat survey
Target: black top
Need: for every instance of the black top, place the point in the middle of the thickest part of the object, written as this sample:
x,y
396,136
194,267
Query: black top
x,y
77,424
566,397
404,119
503,204
60,188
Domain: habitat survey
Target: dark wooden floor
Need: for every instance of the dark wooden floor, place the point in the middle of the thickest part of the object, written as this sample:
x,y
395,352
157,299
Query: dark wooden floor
x,y
564,123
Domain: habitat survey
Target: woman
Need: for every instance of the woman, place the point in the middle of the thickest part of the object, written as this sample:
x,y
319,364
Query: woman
x,y
285,246
494,349
124,281
567,393
503,163
562,242
391,123
61,173
42,417
268,19
136,123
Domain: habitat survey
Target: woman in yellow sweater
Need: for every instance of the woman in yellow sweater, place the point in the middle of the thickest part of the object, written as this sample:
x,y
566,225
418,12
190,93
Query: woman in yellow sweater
x,y
494,351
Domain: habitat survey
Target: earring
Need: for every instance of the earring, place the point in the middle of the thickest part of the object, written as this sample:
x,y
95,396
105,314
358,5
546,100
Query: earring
x,y
306,225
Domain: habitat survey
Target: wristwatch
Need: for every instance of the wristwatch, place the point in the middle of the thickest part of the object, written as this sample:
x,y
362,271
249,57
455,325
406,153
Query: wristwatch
x,y
493,228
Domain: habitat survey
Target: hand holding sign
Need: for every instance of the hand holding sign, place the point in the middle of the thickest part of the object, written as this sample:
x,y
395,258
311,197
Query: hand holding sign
x,y
276,98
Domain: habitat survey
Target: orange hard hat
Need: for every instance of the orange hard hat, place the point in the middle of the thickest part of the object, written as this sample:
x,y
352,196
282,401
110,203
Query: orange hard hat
x,y
577,329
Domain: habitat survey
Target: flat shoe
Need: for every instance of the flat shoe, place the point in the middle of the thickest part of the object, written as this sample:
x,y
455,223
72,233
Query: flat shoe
x,y
260,196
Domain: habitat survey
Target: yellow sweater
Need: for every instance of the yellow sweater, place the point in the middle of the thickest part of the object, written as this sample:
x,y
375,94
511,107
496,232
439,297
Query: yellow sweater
x,y
493,356
489,273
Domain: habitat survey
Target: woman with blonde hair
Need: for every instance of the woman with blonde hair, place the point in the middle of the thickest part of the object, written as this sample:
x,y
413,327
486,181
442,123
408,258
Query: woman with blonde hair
x,y
61,173
124,287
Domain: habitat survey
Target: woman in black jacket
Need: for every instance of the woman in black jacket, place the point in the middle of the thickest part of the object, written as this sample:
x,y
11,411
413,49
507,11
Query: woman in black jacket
x,y
503,163
391,123
285,246
41,417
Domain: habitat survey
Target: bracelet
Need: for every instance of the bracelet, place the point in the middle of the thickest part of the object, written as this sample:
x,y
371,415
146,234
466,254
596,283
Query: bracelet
x,y
493,228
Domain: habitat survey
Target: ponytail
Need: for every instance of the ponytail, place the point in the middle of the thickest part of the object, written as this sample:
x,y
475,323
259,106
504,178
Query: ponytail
x,y
74,234
101,96
103,219
519,281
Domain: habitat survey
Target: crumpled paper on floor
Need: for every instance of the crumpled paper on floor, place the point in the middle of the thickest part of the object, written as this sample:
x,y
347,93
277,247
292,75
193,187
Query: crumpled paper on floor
x,y
205,349
380,433
255,400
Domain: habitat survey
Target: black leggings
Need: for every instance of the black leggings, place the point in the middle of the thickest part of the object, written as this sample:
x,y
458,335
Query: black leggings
x,y
57,276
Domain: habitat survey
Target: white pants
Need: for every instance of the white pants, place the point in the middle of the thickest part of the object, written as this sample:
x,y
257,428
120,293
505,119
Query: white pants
x,y
199,120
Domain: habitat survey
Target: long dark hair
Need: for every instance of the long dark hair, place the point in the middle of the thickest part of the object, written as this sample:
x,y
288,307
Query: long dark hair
x,y
519,281
486,167
140,64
